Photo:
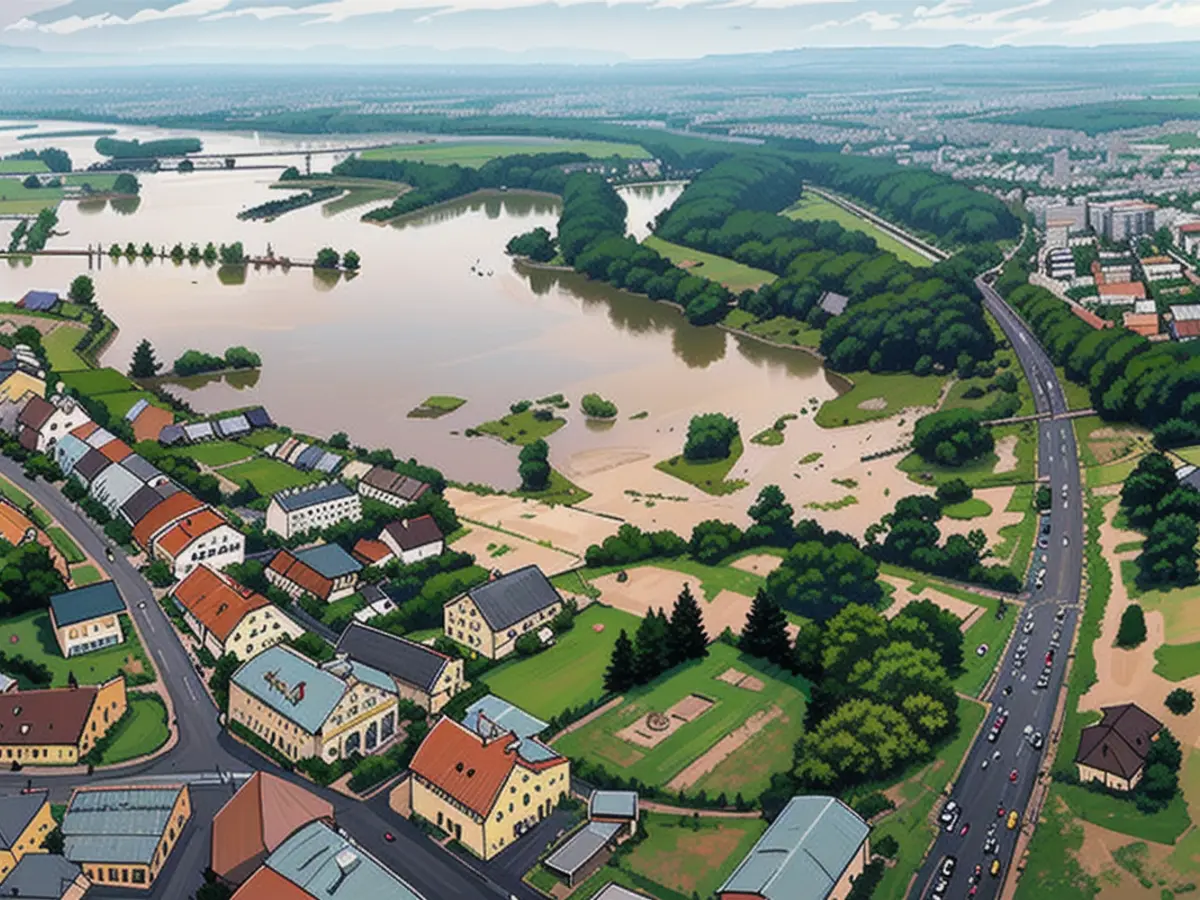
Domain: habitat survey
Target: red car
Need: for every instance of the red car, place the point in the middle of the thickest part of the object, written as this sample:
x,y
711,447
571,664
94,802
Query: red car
x,y
966,827
1012,776
999,812
1049,657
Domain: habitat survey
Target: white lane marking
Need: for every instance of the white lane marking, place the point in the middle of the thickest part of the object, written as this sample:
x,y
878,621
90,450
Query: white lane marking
x,y
162,661
187,684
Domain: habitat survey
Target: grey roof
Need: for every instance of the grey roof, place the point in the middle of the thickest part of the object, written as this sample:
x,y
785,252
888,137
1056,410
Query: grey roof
x,y
40,876
834,304
141,468
309,457
320,861
85,603
198,431
136,410
231,426
405,660
613,803
258,418
329,560
513,597
1186,311
39,300
100,437
117,825
171,434
804,852
322,493
291,454
585,844
16,812
274,677
1189,475
114,486
411,534
384,479
90,465
145,499
614,891
328,463
68,451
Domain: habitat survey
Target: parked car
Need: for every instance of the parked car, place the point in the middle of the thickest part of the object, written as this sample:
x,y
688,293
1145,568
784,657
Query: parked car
x,y
1013,818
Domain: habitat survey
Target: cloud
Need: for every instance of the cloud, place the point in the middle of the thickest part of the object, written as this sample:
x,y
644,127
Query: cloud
x,y
1161,12
185,9
22,25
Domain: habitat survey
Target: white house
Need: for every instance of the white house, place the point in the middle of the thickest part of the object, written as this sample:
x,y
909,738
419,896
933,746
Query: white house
x,y
202,537
42,422
391,487
298,510
412,540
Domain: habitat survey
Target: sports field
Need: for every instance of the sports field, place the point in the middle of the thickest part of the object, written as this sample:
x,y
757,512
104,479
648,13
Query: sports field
x,y
811,207
733,275
474,154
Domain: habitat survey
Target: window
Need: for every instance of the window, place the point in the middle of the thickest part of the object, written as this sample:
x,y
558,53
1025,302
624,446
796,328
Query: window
x,y
139,876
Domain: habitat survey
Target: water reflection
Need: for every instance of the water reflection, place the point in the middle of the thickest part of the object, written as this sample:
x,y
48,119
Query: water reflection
x,y
239,380
126,206
231,275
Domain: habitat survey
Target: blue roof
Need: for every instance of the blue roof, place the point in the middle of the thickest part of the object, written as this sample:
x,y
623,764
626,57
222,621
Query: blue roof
x,y
509,718
613,803
274,677
329,462
322,493
136,410
85,603
320,861
309,457
39,300
329,560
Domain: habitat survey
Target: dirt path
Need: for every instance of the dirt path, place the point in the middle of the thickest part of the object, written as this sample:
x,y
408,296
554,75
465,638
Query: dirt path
x,y
722,749
1006,452
651,806
964,611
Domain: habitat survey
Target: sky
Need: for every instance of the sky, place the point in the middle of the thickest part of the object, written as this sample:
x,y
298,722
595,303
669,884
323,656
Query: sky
x,y
582,30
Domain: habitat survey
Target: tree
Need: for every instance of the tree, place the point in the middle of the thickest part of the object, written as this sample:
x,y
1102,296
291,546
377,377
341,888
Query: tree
x,y
621,673
925,624
650,647
210,253
710,436
772,516
861,741
54,841
597,407
952,437
143,364
1181,701
712,540
126,184
953,490
82,290
213,888
816,581
28,579
218,682
185,166
1169,552
538,245
534,466
351,261
765,632
686,638
1132,630
31,183
159,574
327,258
339,440
1149,484
241,358
291,173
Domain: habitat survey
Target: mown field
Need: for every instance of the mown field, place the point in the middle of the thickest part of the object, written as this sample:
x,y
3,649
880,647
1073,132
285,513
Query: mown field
x,y
811,207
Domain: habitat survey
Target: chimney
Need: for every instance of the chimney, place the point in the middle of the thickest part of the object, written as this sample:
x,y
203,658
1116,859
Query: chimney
x,y
222,608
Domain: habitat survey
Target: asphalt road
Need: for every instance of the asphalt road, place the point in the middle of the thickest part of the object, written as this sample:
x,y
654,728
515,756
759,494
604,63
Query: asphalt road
x,y
987,782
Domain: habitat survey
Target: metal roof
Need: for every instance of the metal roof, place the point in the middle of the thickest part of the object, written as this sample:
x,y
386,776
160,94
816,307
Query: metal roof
x,y
579,850
328,463
40,876
322,862
100,437
118,825
614,891
322,493
86,603
136,410
232,425
68,451
502,713
258,418
803,854
309,457
834,304
410,662
141,468
114,486
198,431
275,677
16,812
171,434
1186,311
613,803
39,300
329,560
513,597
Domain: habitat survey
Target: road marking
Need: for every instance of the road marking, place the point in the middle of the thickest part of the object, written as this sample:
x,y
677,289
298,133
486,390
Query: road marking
x,y
150,624
162,661
187,684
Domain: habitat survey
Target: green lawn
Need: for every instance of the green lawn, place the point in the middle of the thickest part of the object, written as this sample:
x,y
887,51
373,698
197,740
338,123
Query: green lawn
x,y
143,730
99,381
1113,473
1177,662
217,453
67,547
981,473
121,402
14,494
898,391
18,200
23,167
811,207
269,475
521,428
1119,814
714,579
85,575
695,857
1016,540
733,275
436,406
968,509
264,437
568,674
347,606
779,330
474,154
59,345
598,742
100,182
35,641
708,476
1077,395
1189,454
561,490
1053,868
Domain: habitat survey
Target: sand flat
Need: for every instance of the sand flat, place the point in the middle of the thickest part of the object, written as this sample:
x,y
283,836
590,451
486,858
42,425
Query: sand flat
x,y
964,611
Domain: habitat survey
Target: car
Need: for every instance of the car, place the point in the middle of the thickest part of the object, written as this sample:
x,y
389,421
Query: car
x,y
1066,540
1013,818
1036,741
1061,614
1064,490
973,891
1045,527
949,815
990,846
977,874
995,868
1057,636
141,604
1043,543
991,832
1000,811
389,837
1028,629
1007,690
1045,558
1028,730
948,865
996,755
981,650
1012,776
962,832
984,764
1050,657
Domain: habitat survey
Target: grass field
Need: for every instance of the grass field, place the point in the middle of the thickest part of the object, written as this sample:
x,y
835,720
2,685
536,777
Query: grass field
x,y
1113,473
59,345
1177,662
1016,540
707,476
14,494
1076,394
18,200
981,473
1052,868
898,390
598,742
474,154
264,437
694,857
733,275
561,490
778,330
521,428
1189,454
85,575
98,381
1119,814
99,182
568,674
121,402
23,167
269,475
811,207
67,547
968,509
216,453
35,641
714,579
142,731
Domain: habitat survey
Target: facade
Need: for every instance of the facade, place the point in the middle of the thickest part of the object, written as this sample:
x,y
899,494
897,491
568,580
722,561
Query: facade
x,y
1113,751
25,820
421,674
327,572
1160,268
87,618
122,837
413,540
814,850
58,726
162,516
491,617
299,510
1188,238
45,876
306,710
228,618
42,422
197,538
390,487
1121,220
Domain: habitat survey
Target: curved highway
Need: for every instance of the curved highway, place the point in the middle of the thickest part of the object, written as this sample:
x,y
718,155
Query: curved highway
x,y
1003,765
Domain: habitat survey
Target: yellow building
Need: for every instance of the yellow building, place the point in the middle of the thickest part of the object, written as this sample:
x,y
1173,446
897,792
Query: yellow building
x,y
25,820
19,383
229,618
420,673
305,710
491,617
1113,751
58,726
485,785
87,618
123,836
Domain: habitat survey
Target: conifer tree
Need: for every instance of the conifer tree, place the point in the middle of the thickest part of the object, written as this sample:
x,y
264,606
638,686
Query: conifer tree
x,y
765,634
144,365
620,675
650,647
685,635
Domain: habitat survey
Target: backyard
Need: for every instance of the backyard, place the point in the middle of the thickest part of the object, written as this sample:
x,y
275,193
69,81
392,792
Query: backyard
x,y
31,636
216,453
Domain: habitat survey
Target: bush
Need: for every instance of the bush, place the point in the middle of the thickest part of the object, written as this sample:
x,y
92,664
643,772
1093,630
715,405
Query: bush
x,y
159,574
953,490
529,645
1181,701
597,407
1132,630
952,437
887,847
710,437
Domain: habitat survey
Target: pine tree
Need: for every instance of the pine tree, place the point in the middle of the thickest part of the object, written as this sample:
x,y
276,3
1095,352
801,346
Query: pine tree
x,y
620,675
650,647
144,365
765,634
685,636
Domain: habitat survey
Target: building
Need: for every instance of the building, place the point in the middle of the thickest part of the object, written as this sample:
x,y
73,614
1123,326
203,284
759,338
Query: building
x,y
87,618
42,422
264,813
327,572
813,851
197,538
147,497
614,891
1058,234
491,617
115,484
1185,322
45,876
317,861
258,418
1160,268
38,301
228,618
304,710
372,553
612,817
196,432
390,487
17,529
833,304
234,426
1145,324
1074,215
1091,318
148,420
413,539
162,516
58,726
419,673
1188,238
123,836
20,379
303,509
1060,265
1121,220
620,807
1113,751
25,820
486,785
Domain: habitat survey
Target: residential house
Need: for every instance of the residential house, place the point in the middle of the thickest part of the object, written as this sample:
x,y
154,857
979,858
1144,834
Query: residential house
x,y
303,509
58,726
372,553
89,466
327,572
198,431
232,426
198,537
258,418
620,807
123,836
19,380
304,710
612,817
421,674
42,422
170,435
491,617
143,470
38,301
1185,322
614,891
87,618
17,529
413,539
25,820
148,420
147,497
163,515
1125,292
264,813
73,446
814,850
45,876
1145,324
1113,751
390,487
229,618
484,785
113,487
116,449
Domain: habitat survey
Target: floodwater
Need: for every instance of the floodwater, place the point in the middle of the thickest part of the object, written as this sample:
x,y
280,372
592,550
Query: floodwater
x,y
356,354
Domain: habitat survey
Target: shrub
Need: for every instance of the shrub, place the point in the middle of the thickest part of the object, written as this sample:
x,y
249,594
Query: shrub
x,y
953,490
709,437
952,437
1132,630
1181,701
597,407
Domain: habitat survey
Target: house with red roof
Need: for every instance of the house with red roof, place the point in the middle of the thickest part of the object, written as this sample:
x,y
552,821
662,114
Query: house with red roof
x,y
199,537
230,618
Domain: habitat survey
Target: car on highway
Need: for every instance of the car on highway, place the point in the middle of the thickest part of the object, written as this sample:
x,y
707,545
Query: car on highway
x,y
1036,740
947,867
1028,629
949,816
995,868
962,832
1066,540
1043,543
1012,776
1013,818
1050,657
997,727
389,837
1000,811
976,874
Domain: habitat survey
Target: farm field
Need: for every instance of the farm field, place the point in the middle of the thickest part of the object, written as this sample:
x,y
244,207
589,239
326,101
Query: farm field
x,y
269,475
98,381
18,200
59,345
811,207
474,154
733,275
34,640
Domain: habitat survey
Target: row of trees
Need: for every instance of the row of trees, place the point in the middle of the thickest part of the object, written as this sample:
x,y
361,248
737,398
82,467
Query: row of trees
x,y
1167,512
272,208
33,236
661,643
539,245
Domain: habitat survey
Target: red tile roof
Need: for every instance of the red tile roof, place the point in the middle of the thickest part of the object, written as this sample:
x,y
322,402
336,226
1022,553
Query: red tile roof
x,y
1190,228
183,532
267,884
218,604
371,553
150,422
307,579
1144,324
1091,318
116,450
1187,328
461,764
170,510
84,431
1123,289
